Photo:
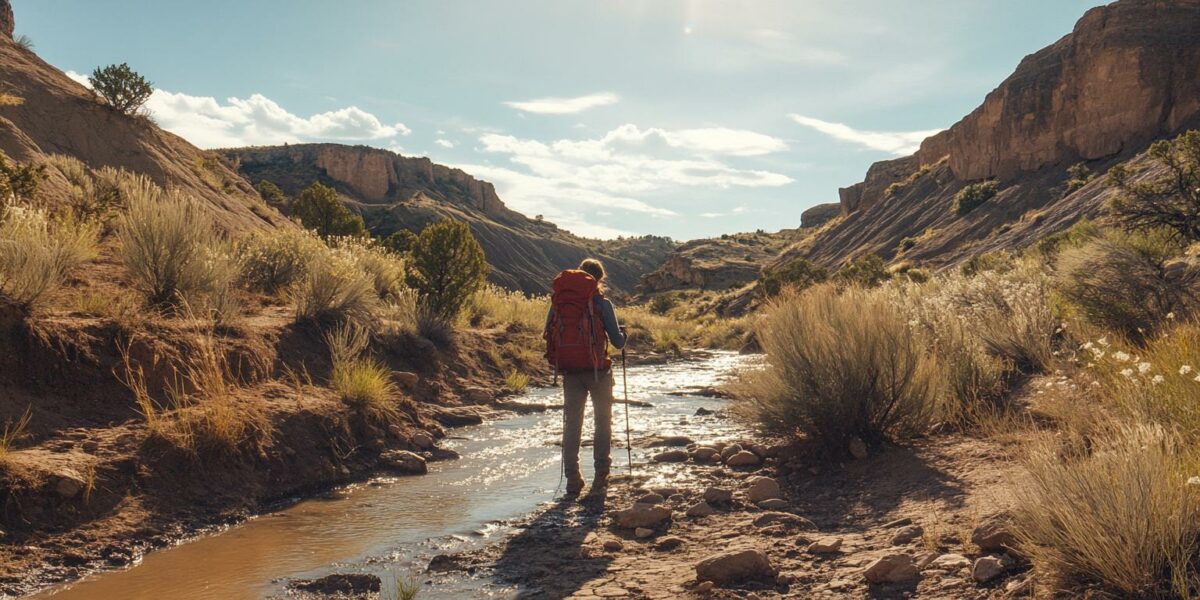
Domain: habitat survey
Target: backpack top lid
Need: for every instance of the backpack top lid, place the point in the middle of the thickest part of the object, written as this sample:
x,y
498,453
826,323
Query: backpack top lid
x,y
575,287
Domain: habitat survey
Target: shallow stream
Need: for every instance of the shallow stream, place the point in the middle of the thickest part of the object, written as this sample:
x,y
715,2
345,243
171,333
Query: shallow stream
x,y
393,526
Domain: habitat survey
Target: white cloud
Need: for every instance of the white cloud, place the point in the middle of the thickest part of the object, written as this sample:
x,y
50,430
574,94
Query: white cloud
x,y
258,120
565,106
712,215
444,143
900,143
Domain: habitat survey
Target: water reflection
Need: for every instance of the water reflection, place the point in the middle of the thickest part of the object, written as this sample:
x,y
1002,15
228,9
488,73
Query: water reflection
x,y
393,527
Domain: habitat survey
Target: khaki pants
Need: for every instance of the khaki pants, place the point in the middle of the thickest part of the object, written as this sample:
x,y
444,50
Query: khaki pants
x,y
576,387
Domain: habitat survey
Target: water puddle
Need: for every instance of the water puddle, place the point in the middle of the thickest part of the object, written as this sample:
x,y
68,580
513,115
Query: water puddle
x,y
392,527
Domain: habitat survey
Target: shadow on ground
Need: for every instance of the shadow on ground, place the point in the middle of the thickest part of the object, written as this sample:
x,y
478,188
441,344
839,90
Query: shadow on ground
x,y
546,560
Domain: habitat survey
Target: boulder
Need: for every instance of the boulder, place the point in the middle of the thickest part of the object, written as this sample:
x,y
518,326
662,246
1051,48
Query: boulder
x,y
340,584
705,454
478,395
994,533
700,509
781,518
987,568
406,379
459,416
68,483
642,515
643,532
422,440
730,450
444,563
668,543
763,488
907,534
671,456
745,458
703,412
716,495
403,461
613,545
734,567
773,504
893,568
670,441
825,545
651,498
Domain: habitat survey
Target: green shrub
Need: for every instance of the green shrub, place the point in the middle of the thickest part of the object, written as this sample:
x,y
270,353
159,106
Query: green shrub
x,y
18,181
274,261
662,304
271,194
1078,175
840,365
447,267
797,273
335,290
970,197
1128,282
401,241
319,209
1081,231
999,261
121,87
37,253
1171,201
867,270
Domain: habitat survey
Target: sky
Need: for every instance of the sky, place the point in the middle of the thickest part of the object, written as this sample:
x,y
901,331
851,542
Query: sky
x,y
685,118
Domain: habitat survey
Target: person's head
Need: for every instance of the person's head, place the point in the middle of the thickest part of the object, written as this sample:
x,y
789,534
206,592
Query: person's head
x,y
592,267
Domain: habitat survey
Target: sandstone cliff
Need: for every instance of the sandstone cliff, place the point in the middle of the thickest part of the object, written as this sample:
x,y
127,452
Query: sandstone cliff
x,y
56,115
7,23
720,263
1129,73
398,192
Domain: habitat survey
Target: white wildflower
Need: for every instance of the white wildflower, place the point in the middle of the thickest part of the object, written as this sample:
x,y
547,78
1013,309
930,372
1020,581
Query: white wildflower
x,y
1127,372
1103,341
1143,368
1121,356
1185,369
1157,379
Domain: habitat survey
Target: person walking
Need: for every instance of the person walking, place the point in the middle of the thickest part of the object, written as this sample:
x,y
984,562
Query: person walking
x,y
579,328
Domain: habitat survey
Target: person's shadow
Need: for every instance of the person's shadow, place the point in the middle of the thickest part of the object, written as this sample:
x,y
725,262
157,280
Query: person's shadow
x,y
547,559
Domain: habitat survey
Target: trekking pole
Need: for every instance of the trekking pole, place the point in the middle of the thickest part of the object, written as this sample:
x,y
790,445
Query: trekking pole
x,y
625,385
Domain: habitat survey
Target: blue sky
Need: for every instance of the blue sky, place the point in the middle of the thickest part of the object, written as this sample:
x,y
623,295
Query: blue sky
x,y
674,117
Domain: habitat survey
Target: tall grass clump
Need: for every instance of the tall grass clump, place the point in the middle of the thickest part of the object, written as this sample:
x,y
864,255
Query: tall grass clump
x,y
505,307
362,382
336,291
273,262
840,365
386,269
175,257
13,431
1120,514
37,253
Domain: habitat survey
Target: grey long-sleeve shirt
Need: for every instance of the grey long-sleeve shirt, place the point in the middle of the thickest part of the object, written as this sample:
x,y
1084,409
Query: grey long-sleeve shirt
x,y
608,315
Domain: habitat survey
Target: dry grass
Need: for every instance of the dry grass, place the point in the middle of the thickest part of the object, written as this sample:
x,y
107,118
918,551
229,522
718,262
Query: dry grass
x,y
37,253
494,305
516,382
1120,513
840,365
362,382
13,432
385,269
336,291
273,262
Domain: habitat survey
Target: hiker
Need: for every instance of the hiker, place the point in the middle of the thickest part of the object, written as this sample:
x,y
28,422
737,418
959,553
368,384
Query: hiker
x,y
580,325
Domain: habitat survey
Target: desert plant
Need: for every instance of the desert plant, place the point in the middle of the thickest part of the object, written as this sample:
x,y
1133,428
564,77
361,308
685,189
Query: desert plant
x,y
319,209
400,241
662,304
1171,201
840,364
37,253
866,270
1078,175
1121,514
797,273
23,41
361,382
122,87
335,291
497,305
969,198
271,194
516,382
274,261
19,181
386,270
447,267
13,432
1128,282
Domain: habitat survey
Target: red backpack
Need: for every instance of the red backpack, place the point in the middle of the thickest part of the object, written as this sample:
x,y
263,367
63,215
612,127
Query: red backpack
x,y
575,336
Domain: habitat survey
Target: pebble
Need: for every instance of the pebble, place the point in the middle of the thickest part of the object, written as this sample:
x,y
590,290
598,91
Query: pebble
x,y
672,456
745,458
716,495
907,535
700,509
987,568
643,532
893,568
825,545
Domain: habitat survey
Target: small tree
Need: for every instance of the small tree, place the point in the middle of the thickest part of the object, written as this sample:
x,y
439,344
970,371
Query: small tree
x,y
446,269
123,88
319,209
1171,201
970,197
400,242
271,193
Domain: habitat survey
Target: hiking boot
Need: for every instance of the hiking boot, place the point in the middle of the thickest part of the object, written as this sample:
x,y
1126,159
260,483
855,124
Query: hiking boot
x,y
574,485
599,485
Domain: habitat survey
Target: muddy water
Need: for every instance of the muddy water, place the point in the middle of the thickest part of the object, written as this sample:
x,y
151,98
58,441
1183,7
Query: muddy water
x,y
393,526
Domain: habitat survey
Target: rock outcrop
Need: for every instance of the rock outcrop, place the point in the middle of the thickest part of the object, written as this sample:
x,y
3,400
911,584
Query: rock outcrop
x,y
719,263
7,22
395,192
820,214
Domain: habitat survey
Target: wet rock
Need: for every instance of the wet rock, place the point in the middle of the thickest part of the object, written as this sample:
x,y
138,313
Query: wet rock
x,y
613,545
782,518
893,568
705,454
671,441
406,379
907,534
700,509
403,461
346,584
774,504
703,412
665,491
652,498
745,458
858,448
643,532
671,456
444,563
994,533
763,488
735,567
987,568
716,495
478,395
68,483
950,562
459,416
668,543
730,450
825,545
422,440
642,515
